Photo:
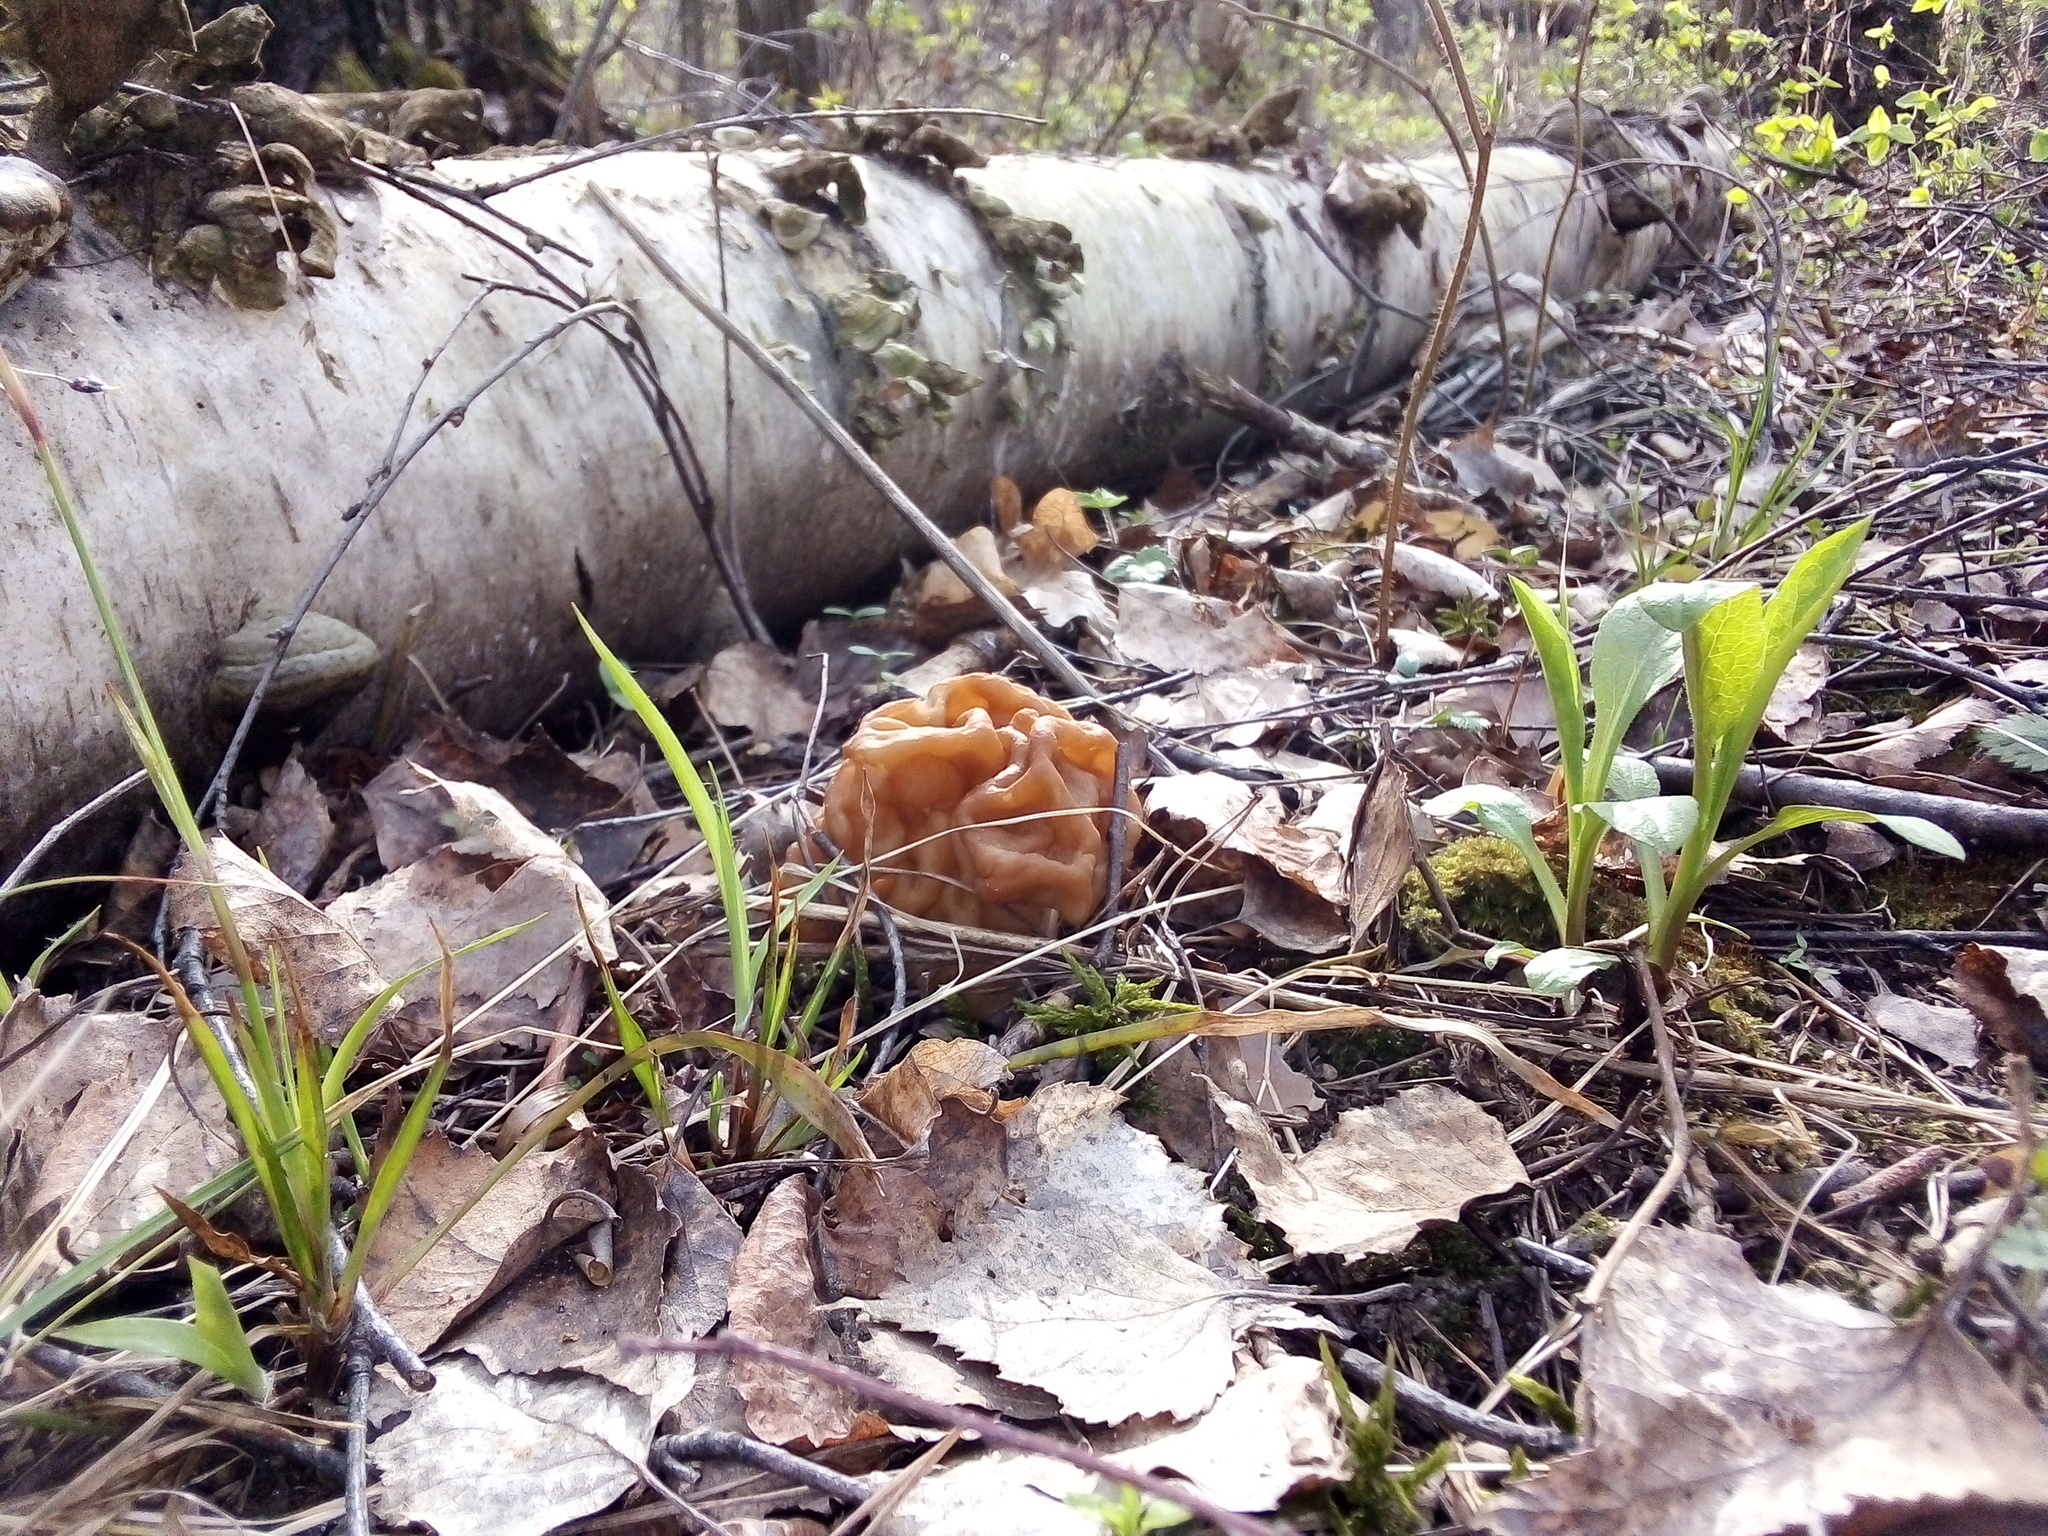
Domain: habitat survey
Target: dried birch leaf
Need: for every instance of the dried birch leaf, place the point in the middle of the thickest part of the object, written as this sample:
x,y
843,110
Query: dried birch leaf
x,y
336,974
485,1455
1721,1406
1379,1175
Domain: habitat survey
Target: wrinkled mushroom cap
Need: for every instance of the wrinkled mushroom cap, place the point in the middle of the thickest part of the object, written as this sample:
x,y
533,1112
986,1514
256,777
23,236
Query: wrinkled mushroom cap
x,y
326,659
971,806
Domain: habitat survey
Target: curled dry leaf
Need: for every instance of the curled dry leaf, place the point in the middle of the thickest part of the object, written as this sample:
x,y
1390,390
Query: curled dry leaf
x,y
1721,1406
294,829
498,872
1273,1432
496,1242
487,1455
67,1103
2005,988
1379,1175
336,975
1183,632
1428,571
1794,713
553,1319
1237,702
909,1096
775,1298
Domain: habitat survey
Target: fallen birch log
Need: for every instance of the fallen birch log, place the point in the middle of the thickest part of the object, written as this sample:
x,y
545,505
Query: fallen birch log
x,y
217,464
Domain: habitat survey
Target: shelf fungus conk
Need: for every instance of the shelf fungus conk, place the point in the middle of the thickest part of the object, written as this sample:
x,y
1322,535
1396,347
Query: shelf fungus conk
x,y
982,804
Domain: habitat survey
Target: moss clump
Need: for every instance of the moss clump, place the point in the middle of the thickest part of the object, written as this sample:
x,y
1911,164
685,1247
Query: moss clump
x,y
1349,1052
1489,887
1739,1004
1955,897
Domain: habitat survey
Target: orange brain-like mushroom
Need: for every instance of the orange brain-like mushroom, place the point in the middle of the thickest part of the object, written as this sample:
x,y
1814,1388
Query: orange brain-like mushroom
x,y
971,805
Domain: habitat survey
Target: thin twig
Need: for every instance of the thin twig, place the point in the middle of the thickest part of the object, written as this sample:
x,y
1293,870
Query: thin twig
x,y
992,1430
1446,319
99,802
670,1452
1681,1144
1450,1415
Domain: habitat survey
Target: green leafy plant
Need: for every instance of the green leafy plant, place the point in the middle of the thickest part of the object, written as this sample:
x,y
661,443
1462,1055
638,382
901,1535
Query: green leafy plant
x,y
213,1340
1732,647
1124,1511
1375,1501
764,968
283,1088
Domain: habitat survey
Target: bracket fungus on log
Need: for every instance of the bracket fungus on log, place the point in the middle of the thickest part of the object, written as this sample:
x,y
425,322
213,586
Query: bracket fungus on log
x,y
981,803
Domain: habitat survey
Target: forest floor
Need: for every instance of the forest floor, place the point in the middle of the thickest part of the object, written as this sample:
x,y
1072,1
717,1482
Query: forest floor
x,y
1342,1142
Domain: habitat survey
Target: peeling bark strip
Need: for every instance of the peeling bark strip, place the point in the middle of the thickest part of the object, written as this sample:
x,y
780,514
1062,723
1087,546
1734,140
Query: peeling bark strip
x,y
1037,316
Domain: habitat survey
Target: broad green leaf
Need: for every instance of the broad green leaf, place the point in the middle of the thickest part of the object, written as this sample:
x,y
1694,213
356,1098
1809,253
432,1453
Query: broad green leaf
x,y
1633,656
1922,833
214,1342
1728,643
2023,1247
1150,564
1630,778
1556,971
1553,644
1678,605
1913,829
1661,823
1470,797
1803,597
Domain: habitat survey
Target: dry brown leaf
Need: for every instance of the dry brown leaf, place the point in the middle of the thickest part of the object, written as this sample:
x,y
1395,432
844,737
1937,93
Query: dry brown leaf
x,y
500,872
1379,1175
336,975
1237,701
1903,746
1795,713
942,604
775,1299
552,1319
1428,571
2005,989
294,829
752,687
485,1455
909,1096
1008,502
1468,534
1720,1406
1950,1033
101,1071
1182,632
1382,848
1106,1278
1059,525
501,1237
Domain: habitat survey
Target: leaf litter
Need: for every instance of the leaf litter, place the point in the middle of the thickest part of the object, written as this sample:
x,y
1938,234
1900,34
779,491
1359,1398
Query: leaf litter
x,y
1366,1100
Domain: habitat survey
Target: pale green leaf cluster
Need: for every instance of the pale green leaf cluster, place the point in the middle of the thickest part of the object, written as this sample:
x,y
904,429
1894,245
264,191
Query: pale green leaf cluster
x,y
1731,645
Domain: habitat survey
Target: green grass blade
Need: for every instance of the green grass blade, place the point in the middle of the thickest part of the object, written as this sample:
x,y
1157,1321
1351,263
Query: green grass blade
x,y
712,820
214,1342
